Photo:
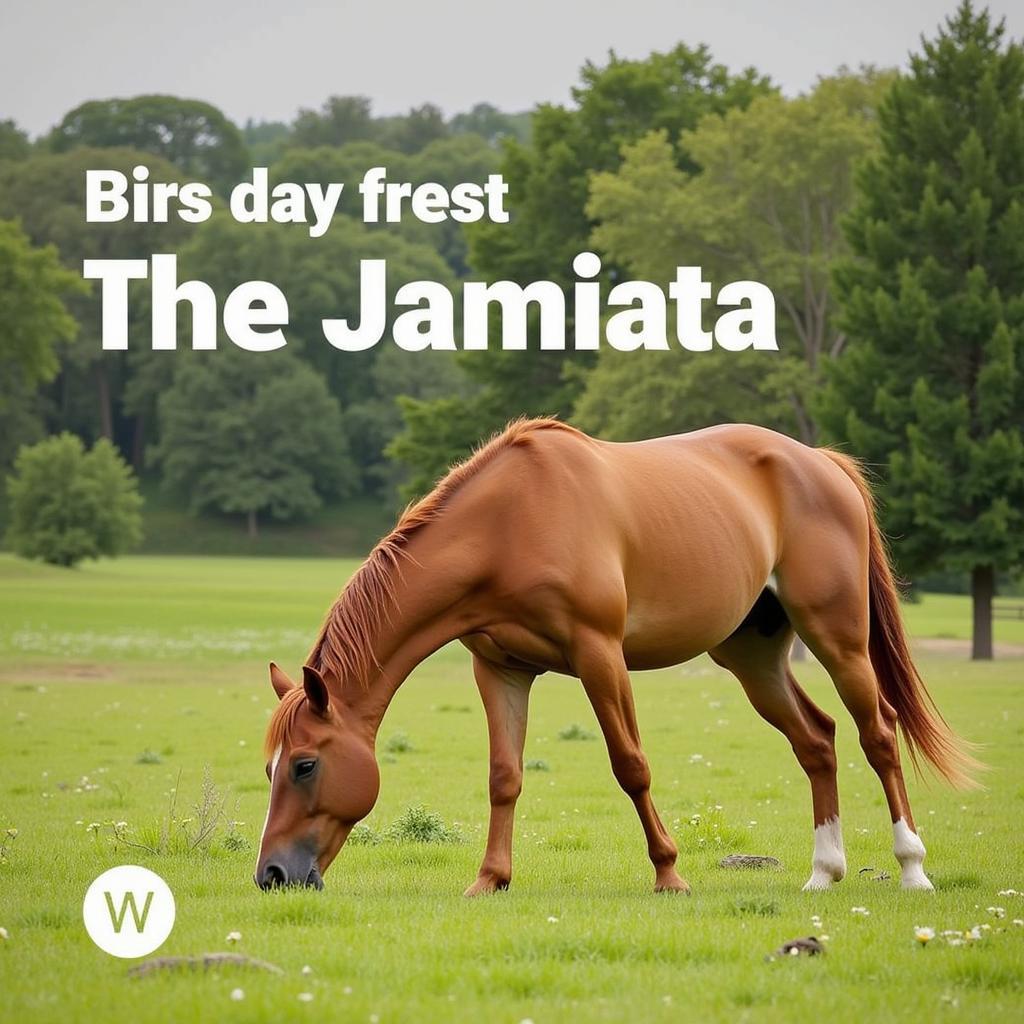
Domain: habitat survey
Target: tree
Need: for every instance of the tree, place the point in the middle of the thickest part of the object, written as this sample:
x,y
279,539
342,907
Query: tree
x,y
194,136
33,318
321,278
413,131
930,386
44,193
548,182
32,312
341,119
68,504
775,179
492,124
251,434
14,144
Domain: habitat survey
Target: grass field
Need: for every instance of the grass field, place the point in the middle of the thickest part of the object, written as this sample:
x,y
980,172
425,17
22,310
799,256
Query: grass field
x,y
121,681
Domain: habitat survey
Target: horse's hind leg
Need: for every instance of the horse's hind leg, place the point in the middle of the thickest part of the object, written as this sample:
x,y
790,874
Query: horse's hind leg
x,y
761,663
830,612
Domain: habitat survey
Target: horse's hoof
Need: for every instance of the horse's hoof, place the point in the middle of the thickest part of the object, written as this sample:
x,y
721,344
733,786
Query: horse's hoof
x,y
672,884
485,885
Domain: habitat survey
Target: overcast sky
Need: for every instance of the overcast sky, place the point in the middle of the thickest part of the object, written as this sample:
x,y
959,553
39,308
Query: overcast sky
x,y
267,60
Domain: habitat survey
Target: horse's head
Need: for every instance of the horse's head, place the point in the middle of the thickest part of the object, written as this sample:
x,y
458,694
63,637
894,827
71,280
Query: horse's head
x,y
323,779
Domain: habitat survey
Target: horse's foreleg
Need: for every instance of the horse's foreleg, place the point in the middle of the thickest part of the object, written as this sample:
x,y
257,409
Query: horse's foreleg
x,y
602,670
505,694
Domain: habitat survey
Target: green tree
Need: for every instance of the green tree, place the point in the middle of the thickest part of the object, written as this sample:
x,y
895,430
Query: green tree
x,y
68,504
321,278
32,312
14,144
775,179
194,136
252,435
341,119
33,318
548,183
413,131
933,302
492,124
45,193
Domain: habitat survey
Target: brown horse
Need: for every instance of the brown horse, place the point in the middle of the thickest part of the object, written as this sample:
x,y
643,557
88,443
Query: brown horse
x,y
551,551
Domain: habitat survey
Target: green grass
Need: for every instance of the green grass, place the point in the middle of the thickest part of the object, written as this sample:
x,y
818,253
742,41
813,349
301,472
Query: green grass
x,y
141,674
344,528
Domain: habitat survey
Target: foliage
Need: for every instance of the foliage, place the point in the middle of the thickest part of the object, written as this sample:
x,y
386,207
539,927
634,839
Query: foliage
x,y
45,193
194,136
68,504
575,731
492,124
775,179
35,318
418,825
548,179
32,311
931,387
321,278
14,144
253,435
340,120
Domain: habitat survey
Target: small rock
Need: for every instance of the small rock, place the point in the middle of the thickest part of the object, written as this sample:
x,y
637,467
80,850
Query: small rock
x,y
809,946
748,862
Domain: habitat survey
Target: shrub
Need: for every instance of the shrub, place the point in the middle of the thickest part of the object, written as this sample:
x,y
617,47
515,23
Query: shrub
x,y
68,504
418,825
576,732
399,743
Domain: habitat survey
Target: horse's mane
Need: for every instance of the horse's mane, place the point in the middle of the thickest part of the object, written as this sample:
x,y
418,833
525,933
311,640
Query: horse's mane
x,y
344,647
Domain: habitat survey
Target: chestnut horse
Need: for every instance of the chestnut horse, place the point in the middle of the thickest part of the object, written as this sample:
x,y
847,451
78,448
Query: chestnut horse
x,y
549,550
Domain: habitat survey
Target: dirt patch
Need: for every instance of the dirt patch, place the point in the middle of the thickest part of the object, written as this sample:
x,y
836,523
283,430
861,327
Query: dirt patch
x,y
962,648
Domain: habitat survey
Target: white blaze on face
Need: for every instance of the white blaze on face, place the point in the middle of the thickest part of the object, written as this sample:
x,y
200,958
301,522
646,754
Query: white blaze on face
x,y
909,850
829,864
270,802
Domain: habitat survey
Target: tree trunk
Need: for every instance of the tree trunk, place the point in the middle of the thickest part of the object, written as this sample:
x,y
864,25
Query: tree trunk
x,y
103,396
139,442
983,586
251,521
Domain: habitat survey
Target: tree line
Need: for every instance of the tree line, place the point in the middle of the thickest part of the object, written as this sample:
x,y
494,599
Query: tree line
x,y
884,210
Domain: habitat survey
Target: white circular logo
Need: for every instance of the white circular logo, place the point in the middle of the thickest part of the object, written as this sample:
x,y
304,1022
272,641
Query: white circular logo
x,y
128,911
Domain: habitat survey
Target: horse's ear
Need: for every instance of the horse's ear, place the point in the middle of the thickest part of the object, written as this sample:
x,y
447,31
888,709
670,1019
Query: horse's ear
x,y
279,681
316,690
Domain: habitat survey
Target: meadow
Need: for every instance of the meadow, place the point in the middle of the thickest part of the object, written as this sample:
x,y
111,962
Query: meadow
x,y
127,687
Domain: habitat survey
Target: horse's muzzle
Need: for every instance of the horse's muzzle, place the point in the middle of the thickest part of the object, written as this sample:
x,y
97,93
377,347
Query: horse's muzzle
x,y
295,866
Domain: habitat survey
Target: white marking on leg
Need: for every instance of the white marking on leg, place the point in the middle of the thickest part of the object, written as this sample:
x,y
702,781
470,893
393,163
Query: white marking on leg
x,y
909,850
829,863
773,584
270,802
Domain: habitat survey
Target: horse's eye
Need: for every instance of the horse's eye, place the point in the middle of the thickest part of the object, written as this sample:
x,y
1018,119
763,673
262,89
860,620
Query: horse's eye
x,y
303,769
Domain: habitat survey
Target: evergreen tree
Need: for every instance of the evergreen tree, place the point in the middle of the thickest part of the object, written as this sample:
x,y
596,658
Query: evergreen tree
x,y
929,388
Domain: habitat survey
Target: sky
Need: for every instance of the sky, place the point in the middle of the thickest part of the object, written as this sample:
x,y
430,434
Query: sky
x,y
268,61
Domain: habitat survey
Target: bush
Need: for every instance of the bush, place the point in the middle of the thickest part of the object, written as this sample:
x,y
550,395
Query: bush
x,y
68,504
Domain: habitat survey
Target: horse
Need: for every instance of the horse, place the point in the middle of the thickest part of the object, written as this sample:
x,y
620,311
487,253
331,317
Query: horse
x,y
552,551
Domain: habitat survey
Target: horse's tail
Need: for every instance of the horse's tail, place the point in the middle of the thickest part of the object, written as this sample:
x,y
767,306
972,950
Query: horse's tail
x,y
924,729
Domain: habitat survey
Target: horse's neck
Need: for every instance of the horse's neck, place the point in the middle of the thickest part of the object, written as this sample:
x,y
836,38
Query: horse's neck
x,y
419,623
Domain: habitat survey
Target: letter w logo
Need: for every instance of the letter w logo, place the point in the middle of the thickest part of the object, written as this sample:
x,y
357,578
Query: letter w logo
x,y
128,900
